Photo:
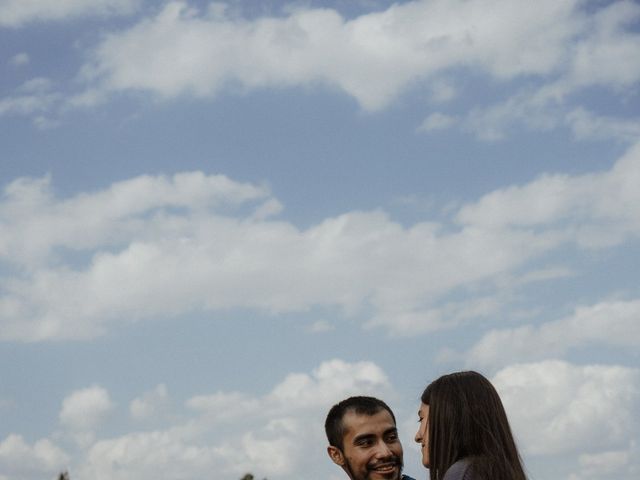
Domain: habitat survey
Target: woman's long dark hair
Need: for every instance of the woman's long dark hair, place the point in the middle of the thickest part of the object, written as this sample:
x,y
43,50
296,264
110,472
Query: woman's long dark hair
x,y
467,420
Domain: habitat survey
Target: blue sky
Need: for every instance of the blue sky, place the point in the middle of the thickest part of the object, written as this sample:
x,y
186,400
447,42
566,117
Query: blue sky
x,y
218,219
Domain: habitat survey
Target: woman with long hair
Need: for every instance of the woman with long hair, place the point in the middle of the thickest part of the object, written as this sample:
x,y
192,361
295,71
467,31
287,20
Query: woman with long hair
x,y
464,431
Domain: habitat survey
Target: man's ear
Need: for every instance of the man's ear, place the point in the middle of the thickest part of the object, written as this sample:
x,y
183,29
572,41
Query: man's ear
x,y
336,455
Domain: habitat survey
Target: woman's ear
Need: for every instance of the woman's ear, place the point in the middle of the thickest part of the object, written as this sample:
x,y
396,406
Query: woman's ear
x,y
336,455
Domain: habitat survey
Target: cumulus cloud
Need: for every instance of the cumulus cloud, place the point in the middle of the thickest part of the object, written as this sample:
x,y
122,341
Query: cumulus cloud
x,y
437,121
601,56
559,48
324,386
16,13
586,125
34,96
545,110
210,261
77,267
622,464
321,326
151,405
272,435
373,57
84,410
612,323
586,413
19,59
147,455
573,206
18,459
556,407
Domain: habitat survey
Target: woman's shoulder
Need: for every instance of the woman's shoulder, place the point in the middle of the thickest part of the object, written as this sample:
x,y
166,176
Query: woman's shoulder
x,y
461,470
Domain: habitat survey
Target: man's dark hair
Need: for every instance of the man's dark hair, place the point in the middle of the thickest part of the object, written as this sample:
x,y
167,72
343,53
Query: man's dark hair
x,y
334,426
467,420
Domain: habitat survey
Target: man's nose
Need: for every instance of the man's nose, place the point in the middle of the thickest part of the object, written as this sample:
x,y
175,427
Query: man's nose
x,y
383,450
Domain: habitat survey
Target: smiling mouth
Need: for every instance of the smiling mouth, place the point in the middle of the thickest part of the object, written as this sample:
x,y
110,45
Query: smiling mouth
x,y
384,468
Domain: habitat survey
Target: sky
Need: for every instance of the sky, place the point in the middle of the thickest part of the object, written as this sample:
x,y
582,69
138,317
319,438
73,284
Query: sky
x,y
217,219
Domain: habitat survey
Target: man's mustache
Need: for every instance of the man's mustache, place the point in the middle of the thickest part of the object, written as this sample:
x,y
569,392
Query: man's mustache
x,y
387,462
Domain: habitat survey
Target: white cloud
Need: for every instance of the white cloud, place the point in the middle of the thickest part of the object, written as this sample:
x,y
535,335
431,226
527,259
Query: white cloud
x,y
614,323
373,57
19,59
442,91
150,405
216,248
18,459
558,408
147,455
586,125
224,406
84,410
583,413
32,97
619,464
437,121
608,55
324,386
559,48
328,384
233,433
573,206
601,55
545,110
321,326
16,13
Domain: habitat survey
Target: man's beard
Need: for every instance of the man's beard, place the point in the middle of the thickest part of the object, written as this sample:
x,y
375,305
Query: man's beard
x,y
372,466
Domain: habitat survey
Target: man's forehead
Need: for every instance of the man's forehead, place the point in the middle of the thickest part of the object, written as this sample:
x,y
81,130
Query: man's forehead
x,y
358,423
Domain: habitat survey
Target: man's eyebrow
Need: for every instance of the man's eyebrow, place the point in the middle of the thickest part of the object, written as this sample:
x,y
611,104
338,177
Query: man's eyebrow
x,y
364,436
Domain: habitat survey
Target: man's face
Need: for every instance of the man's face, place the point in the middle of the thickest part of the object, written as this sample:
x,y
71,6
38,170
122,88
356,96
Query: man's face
x,y
371,448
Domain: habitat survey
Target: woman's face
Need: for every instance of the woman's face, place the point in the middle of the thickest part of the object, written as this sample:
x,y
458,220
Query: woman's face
x,y
422,435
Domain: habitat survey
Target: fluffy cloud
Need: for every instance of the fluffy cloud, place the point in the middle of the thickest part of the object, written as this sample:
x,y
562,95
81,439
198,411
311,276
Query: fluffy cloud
x,y
194,243
147,455
569,206
437,121
15,13
602,56
19,59
560,48
203,260
612,323
84,409
373,57
326,385
150,405
556,407
585,413
32,97
20,460
270,435
619,464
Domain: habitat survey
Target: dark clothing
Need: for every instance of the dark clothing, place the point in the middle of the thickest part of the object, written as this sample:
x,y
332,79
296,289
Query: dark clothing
x,y
461,470
407,477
